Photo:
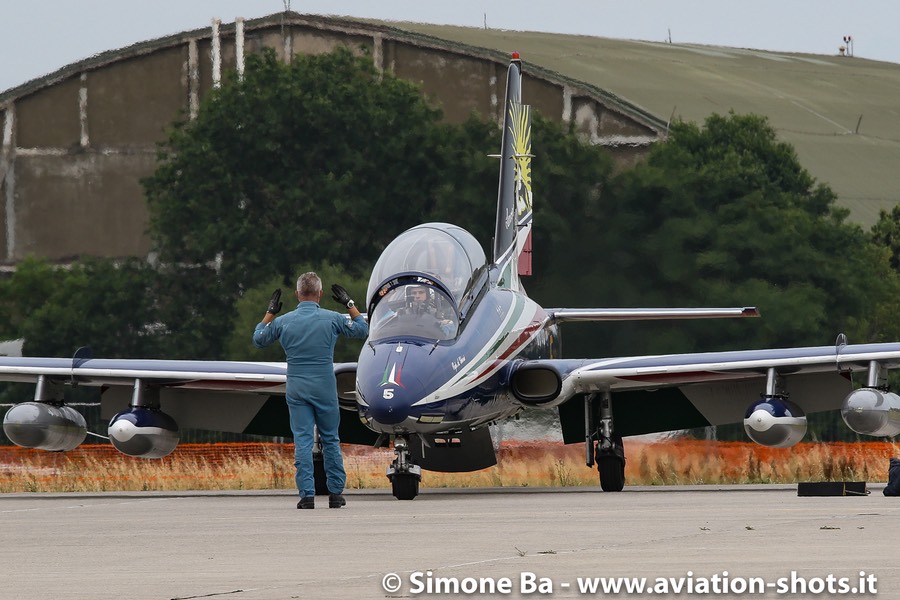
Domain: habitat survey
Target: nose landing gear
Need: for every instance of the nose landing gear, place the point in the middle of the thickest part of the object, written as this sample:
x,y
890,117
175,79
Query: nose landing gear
x,y
403,474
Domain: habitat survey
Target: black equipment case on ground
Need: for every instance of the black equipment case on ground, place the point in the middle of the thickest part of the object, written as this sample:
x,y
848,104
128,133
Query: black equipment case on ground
x,y
832,488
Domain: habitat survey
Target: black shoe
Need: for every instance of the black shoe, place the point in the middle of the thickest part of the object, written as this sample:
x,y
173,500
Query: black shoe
x,y
307,502
336,501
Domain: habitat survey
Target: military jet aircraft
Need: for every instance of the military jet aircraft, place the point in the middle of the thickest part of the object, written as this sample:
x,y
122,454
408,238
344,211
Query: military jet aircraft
x,y
455,345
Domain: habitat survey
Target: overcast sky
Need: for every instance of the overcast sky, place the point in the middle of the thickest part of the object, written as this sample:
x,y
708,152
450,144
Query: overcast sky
x,y
40,36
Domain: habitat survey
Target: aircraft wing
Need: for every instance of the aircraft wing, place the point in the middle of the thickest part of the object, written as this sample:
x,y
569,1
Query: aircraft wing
x,y
233,396
186,374
560,315
681,391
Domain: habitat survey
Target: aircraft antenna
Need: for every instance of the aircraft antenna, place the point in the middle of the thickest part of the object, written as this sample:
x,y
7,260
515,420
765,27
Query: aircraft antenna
x,y
81,355
839,344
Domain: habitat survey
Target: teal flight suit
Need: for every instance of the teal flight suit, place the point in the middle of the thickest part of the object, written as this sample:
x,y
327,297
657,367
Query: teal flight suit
x,y
308,335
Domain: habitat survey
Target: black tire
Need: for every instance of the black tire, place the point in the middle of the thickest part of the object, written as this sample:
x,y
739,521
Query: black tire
x,y
405,487
612,472
319,475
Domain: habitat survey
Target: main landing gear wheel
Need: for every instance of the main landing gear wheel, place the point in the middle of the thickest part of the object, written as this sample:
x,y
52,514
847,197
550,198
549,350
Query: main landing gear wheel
x,y
612,473
611,465
602,445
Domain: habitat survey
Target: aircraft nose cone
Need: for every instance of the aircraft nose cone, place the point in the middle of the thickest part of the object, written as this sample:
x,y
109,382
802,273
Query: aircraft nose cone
x,y
390,411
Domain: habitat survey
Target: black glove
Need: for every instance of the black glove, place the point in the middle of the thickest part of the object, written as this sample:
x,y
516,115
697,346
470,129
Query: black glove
x,y
275,303
341,296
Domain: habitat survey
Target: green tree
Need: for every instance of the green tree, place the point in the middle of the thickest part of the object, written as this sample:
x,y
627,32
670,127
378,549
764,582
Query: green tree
x,y
321,160
195,311
725,215
465,192
23,293
570,179
250,308
883,324
886,233
98,303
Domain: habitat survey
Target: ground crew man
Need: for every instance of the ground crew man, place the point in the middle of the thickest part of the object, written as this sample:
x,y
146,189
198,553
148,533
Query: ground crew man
x,y
308,335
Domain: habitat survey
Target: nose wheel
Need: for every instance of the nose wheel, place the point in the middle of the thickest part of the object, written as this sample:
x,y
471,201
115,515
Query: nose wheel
x,y
403,474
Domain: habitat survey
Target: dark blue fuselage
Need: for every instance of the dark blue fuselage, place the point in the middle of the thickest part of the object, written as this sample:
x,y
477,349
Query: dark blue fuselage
x,y
412,384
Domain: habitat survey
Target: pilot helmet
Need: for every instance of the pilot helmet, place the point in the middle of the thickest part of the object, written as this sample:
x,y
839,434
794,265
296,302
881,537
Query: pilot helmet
x,y
418,294
420,297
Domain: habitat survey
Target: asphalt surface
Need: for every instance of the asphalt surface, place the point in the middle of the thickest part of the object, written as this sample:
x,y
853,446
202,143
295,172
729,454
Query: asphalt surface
x,y
258,546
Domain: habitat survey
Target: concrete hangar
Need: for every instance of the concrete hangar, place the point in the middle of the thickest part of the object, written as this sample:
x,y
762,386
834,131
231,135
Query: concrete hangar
x,y
76,142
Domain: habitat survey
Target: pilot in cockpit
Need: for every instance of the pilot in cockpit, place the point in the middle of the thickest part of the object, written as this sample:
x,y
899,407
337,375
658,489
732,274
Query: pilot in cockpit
x,y
421,300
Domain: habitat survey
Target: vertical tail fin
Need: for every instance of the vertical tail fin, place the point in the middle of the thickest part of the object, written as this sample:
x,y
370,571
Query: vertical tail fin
x,y
512,236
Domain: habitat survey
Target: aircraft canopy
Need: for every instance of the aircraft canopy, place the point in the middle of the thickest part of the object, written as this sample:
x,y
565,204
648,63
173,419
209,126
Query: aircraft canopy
x,y
447,253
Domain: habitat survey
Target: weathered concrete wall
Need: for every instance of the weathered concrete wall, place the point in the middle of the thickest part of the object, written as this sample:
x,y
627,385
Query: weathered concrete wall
x,y
50,118
131,102
82,204
465,84
77,143
6,175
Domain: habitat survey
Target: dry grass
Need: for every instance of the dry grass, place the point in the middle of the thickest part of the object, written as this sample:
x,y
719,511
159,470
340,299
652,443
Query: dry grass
x,y
270,466
699,462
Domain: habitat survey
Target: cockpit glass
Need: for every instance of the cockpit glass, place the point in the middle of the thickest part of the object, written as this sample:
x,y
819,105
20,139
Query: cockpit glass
x,y
445,252
414,310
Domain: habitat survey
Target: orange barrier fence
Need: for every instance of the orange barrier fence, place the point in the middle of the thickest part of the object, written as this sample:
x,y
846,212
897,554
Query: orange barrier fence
x,y
536,464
